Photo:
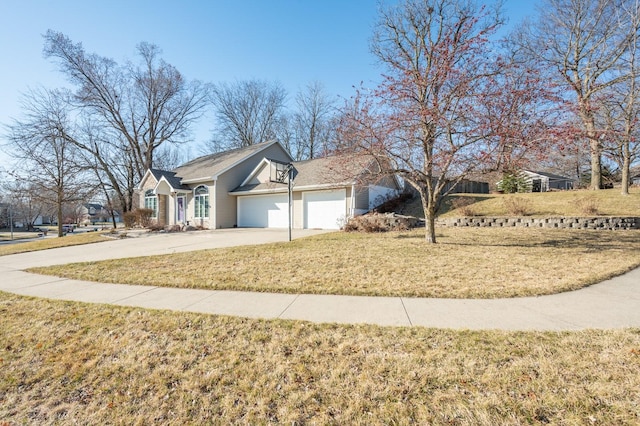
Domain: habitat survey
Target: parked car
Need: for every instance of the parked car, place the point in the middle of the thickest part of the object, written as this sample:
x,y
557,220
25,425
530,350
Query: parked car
x,y
68,228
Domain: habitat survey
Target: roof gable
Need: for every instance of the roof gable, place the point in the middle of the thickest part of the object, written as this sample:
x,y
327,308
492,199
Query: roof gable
x,y
209,167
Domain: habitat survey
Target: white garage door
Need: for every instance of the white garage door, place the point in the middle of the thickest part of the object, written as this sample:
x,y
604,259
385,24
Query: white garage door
x,y
263,211
324,209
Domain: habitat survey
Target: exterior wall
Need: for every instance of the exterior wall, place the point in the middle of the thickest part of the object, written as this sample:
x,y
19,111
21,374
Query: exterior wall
x,y
298,217
225,205
162,218
361,205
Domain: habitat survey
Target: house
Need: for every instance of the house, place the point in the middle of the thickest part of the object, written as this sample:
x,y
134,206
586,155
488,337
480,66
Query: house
x,y
249,187
91,213
324,192
543,181
635,180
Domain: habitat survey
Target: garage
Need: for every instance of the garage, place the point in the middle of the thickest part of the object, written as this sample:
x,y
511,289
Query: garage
x,y
263,211
324,209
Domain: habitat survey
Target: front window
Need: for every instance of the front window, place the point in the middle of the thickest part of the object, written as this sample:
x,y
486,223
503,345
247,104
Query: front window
x,y
201,202
151,202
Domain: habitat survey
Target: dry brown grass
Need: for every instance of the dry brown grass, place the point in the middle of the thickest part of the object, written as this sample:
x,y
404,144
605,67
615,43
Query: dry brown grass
x,y
467,263
607,202
68,363
48,243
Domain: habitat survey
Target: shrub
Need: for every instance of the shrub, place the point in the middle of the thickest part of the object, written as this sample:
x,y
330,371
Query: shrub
x,y
141,217
517,206
144,217
512,183
376,222
463,205
393,202
588,206
130,219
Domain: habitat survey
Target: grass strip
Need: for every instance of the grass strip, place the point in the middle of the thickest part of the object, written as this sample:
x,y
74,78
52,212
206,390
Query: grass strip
x,y
65,363
49,243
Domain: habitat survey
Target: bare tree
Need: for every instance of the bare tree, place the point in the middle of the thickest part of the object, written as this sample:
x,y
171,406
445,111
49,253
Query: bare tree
x,y
247,112
312,121
620,111
581,42
136,109
46,159
426,116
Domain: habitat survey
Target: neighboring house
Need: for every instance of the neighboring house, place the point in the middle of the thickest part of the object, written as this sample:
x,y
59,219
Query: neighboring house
x,y
247,187
92,212
635,180
543,182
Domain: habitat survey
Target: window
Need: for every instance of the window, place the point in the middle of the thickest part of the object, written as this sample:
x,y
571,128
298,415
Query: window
x,y
201,202
151,202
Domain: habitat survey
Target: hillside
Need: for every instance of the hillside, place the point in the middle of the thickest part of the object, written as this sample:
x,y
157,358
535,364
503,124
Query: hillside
x,y
607,202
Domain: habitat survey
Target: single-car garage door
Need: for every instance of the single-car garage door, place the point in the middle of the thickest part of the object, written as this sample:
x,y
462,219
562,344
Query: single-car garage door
x,y
324,209
263,211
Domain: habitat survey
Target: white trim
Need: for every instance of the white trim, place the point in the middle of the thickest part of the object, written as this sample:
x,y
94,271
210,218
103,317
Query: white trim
x,y
254,172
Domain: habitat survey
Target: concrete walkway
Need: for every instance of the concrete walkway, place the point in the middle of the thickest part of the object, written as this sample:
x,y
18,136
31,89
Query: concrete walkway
x,y
612,304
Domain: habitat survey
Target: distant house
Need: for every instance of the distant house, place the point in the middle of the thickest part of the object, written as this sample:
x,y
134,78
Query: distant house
x,y
635,180
248,187
543,181
91,213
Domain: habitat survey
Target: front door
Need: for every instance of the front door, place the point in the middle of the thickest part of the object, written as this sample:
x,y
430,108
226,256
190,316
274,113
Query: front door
x,y
180,209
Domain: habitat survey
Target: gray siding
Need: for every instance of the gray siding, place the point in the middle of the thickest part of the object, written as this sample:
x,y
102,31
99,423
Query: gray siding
x,y
225,205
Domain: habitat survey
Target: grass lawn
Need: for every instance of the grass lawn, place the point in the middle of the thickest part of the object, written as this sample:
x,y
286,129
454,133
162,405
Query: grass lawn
x,y
467,263
65,363
606,202
47,243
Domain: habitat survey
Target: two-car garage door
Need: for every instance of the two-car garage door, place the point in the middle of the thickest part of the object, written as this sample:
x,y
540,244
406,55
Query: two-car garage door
x,y
320,209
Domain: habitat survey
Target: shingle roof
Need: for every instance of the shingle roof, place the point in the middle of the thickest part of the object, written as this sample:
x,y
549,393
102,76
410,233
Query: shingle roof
x,y
327,171
212,165
171,177
550,175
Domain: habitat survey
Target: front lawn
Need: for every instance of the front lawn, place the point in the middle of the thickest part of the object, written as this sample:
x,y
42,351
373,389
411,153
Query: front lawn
x,y
48,243
73,363
467,263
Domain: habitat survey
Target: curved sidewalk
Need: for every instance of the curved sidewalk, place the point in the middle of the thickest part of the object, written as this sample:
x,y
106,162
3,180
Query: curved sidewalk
x,y
612,304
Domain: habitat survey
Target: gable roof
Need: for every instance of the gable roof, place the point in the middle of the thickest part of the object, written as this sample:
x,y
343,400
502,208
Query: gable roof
x,y
170,177
209,167
341,170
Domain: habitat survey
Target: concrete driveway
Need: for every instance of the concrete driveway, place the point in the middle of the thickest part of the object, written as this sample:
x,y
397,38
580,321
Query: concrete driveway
x,y
146,244
612,304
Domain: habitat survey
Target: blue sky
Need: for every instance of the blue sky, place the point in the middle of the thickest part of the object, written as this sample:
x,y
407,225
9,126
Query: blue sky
x,y
291,41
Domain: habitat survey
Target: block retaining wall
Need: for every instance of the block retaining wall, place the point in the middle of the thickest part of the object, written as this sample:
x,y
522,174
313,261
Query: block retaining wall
x,y
605,223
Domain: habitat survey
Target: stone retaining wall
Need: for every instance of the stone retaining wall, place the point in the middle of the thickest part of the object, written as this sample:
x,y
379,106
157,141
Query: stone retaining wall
x,y
606,223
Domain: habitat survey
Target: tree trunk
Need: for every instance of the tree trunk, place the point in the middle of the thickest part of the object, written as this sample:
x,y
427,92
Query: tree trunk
x,y
59,214
428,207
596,165
626,164
595,151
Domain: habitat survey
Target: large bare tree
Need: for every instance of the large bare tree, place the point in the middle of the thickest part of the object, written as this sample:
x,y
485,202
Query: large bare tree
x,y
426,117
248,112
134,109
582,43
620,111
47,163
